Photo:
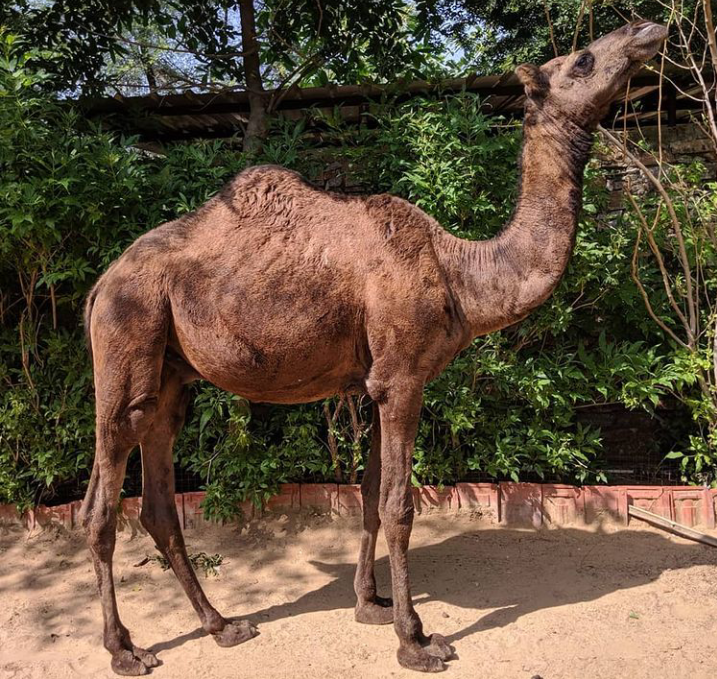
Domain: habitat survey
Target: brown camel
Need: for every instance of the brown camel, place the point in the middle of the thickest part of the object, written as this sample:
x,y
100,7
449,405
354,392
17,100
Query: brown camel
x,y
284,293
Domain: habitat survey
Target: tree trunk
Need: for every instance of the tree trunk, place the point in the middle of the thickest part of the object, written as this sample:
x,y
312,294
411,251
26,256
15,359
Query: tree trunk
x,y
714,360
257,127
331,438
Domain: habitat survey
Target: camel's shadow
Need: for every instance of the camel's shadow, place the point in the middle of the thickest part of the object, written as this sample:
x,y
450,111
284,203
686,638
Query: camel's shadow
x,y
508,573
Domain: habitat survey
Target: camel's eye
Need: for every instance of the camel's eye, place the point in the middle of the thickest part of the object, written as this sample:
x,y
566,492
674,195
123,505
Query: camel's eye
x,y
584,64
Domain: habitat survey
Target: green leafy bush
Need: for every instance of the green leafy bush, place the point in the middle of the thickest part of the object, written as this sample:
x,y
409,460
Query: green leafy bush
x,y
72,197
70,200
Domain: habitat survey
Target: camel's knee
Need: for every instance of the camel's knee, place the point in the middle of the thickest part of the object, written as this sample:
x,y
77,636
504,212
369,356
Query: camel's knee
x,y
160,521
370,493
396,511
121,426
371,520
100,525
140,413
98,515
370,486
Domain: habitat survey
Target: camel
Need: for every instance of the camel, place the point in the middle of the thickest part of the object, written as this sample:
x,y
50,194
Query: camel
x,y
283,293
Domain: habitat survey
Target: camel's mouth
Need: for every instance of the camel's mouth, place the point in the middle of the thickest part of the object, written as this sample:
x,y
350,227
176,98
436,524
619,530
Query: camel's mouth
x,y
646,40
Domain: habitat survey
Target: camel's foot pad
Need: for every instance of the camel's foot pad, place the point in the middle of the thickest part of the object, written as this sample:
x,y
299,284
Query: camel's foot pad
x,y
133,663
235,633
376,612
428,656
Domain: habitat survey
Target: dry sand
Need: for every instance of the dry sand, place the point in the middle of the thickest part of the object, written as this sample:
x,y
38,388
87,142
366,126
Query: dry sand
x,y
565,603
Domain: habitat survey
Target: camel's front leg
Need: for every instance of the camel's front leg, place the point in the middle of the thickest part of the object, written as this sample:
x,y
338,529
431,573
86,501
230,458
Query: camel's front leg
x,y
371,608
400,411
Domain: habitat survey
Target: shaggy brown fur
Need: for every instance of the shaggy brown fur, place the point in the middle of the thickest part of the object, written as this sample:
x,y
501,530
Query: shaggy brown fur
x,y
283,293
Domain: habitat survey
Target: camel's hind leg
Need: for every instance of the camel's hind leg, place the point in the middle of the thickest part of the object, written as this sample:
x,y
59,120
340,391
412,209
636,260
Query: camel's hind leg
x,y
159,513
116,436
128,340
371,608
99,517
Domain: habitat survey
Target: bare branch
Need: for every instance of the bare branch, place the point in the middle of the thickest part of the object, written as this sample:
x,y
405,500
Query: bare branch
x,y
550,26
578,23
166,48
636,277
658,256
284,87
711,35
331,437
676,227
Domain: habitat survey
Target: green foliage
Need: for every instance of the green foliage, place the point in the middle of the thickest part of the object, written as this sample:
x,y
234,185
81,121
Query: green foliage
x,y
70,201
201,561
691,368
167,45
445,157
72,197
497,35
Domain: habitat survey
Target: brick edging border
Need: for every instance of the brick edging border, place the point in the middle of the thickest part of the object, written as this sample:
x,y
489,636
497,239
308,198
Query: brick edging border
x,y
527,504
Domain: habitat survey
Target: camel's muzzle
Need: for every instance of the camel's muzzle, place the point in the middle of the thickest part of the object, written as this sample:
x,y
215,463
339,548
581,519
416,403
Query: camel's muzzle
x,y
646,40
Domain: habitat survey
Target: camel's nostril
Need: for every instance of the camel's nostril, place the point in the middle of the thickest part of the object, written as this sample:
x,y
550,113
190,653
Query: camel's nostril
x,y
648,33
642,27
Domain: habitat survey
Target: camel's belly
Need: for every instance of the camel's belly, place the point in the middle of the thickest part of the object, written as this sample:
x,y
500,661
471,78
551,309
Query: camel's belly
x,y
304,390
276,379
295,356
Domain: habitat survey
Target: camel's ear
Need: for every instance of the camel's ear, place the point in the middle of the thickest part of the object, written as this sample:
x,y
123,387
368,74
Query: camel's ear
x,y
535,81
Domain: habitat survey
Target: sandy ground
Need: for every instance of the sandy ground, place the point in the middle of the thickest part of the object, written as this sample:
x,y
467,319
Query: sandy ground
x,y
562,603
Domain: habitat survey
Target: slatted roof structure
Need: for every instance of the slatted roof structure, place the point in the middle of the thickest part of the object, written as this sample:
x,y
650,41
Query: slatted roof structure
x,y
190,115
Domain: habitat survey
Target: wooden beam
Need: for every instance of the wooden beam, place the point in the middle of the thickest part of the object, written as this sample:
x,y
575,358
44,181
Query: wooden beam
x,y
671,104
671,526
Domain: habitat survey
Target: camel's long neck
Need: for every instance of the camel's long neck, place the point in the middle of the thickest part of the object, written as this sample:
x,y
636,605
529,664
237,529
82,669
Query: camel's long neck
x,y
500,281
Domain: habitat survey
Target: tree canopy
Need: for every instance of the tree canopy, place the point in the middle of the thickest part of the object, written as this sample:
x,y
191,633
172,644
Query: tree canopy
x,y
135,47
182,44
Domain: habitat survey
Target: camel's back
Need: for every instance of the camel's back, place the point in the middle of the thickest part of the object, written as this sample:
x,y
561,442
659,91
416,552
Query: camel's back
x,y
270,228
277,210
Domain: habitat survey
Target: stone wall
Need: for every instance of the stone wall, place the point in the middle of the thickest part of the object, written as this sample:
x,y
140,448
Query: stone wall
x,y
510,504
681,144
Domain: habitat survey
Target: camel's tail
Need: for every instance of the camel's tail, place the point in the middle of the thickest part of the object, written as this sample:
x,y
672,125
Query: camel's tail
x,y
89,304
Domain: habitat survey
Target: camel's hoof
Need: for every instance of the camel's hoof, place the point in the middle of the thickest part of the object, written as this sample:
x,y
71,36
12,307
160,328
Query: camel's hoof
x,y
235,633
147,658
419,659
132,663
376,612
438,647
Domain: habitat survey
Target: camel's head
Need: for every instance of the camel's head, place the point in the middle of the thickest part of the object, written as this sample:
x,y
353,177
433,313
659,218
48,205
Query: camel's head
x,y
582,85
